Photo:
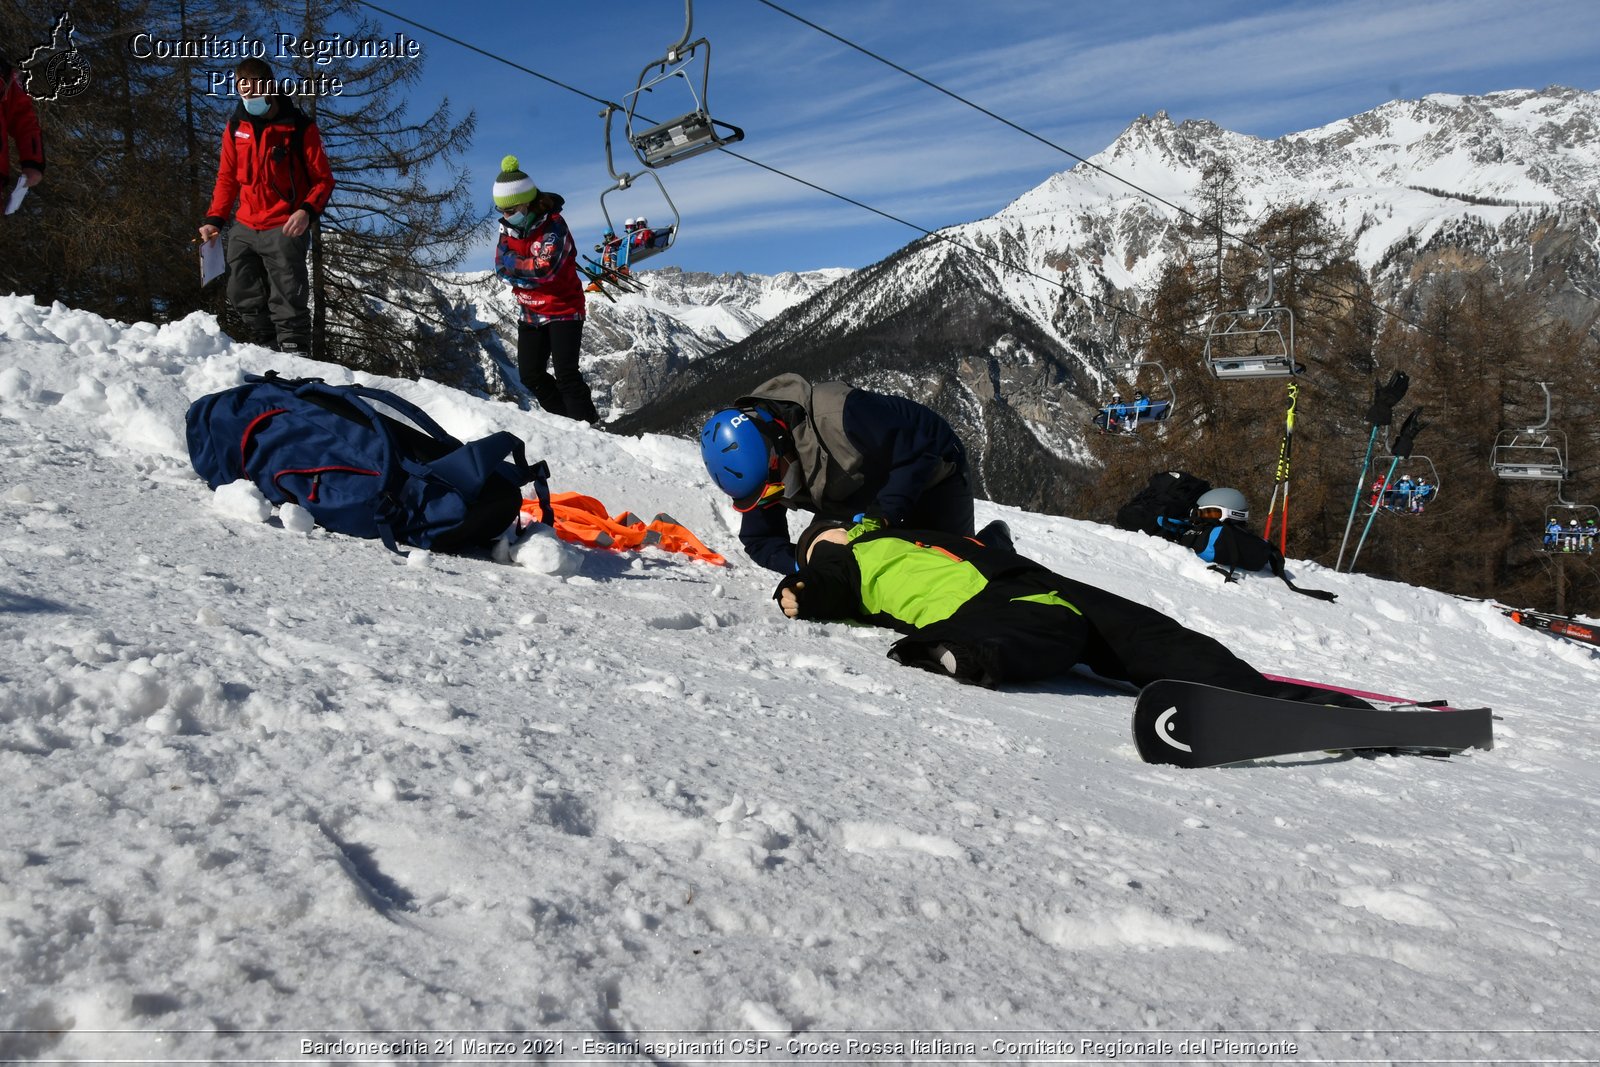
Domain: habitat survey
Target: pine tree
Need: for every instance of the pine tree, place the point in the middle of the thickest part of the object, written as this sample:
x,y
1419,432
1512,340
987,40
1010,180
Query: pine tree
x,y
401,214
111,226
1219,209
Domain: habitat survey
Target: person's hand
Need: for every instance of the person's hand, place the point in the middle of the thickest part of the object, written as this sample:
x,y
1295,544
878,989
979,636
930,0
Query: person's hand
x,y
207,232
866,523
33,175
298,223
789,602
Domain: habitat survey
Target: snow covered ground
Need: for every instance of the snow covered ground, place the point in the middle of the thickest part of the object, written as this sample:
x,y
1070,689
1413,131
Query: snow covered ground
x,y
264,791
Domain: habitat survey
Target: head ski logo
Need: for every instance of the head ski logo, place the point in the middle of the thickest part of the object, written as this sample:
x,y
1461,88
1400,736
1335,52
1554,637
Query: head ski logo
x,y
1164,730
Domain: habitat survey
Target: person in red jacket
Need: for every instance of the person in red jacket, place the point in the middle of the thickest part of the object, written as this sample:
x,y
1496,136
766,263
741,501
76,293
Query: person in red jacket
x,y
19,122
273,180
537,255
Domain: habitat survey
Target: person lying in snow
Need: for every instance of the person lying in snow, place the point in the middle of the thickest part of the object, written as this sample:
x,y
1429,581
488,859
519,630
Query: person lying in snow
x,y
987,615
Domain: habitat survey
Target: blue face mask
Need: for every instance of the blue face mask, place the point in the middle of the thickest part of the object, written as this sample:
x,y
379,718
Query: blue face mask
x,y
256,105
521,220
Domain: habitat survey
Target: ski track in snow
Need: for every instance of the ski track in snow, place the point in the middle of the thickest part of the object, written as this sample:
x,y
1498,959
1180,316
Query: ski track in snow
x,y
259,778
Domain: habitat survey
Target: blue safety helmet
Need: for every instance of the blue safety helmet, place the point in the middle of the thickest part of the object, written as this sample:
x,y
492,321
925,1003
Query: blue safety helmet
x,y
740,454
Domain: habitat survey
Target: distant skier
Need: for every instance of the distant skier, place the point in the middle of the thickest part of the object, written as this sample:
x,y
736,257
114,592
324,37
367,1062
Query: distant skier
x,y
988,616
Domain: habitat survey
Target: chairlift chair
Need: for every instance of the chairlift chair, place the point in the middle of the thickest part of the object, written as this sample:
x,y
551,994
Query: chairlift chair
x,y
1257,342
1417,471
629,253
1160,397
1530,455
664,143
1535,453
1254,343
1570,528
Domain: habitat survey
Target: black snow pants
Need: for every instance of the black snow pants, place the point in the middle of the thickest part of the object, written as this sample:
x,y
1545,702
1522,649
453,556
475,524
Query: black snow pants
x,y
999,637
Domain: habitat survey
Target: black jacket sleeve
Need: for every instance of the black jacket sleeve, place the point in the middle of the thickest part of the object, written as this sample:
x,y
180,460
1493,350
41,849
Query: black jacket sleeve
x,y
764,532
829,586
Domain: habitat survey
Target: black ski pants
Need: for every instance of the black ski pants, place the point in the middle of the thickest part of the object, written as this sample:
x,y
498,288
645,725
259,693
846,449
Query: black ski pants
x,y
998,637
565,392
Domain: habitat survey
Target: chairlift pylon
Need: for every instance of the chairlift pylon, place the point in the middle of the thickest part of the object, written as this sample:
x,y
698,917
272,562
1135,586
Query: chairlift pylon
x,y
661,144
1532,453
1256,342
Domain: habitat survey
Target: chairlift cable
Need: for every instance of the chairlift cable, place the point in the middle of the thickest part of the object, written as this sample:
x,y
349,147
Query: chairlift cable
x,y
1000,260
1005,121
1089,163
484,52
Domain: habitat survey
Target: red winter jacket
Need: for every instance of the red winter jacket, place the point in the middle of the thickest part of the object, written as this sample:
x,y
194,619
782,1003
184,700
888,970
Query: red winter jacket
x,y
262,172
20,123
542,268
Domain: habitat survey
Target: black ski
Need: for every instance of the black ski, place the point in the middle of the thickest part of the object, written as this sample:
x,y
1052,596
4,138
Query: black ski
x,y
1188,724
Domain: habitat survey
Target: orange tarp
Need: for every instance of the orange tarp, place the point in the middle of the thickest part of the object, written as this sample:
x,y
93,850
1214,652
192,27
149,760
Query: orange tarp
x,y
583,520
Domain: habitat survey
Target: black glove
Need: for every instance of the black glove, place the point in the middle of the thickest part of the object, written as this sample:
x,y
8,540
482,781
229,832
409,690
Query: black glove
x,y
1385,397
1408,434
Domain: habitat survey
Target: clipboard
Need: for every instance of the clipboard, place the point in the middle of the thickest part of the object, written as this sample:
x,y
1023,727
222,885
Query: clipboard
x,y
18,191
212,261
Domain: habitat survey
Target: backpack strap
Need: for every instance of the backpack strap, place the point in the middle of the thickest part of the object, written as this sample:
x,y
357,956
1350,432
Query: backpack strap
x,y
470,466
1277,568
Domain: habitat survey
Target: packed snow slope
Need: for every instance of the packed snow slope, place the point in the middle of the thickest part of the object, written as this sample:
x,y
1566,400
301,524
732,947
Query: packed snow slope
x,y
264,787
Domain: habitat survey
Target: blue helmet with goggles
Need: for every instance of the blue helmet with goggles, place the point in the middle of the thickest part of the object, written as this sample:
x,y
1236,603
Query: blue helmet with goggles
x,y
741,450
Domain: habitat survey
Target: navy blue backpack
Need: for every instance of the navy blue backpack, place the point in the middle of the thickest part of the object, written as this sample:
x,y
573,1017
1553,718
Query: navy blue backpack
x,y
360,471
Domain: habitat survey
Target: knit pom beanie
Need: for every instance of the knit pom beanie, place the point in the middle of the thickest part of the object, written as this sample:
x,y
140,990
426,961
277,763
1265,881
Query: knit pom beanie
x,y
513,187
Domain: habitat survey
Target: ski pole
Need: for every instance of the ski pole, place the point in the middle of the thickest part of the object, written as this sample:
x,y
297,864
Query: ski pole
x,y
1374,512
1402,448
1385,395
1355,501
1282,474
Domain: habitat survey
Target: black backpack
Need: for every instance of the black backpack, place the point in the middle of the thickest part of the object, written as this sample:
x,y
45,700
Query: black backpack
x,y
1171,495
1236,548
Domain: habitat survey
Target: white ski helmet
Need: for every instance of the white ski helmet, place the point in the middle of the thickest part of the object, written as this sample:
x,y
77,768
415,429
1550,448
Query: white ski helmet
x,y
1230,502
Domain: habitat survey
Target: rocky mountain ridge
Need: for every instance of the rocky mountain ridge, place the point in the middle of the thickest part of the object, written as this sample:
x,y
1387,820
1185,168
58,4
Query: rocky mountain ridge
x,y
973,322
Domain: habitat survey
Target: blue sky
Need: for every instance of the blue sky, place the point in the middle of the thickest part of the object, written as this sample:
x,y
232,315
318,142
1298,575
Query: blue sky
x,y
1074,73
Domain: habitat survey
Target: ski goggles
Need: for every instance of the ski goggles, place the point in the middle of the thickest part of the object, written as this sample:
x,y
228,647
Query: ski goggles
x,y
766,495
780,444
770,490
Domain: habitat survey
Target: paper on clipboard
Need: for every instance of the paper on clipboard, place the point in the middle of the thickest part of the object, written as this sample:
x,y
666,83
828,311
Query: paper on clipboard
x,y
18,191
212,263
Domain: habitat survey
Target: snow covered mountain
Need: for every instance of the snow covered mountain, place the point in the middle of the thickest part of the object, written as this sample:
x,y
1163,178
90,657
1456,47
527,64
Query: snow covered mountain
x,y
1505,183
281,795
635,343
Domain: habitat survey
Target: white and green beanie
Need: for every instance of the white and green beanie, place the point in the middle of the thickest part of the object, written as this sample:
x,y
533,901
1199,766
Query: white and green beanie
x,y
513,187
